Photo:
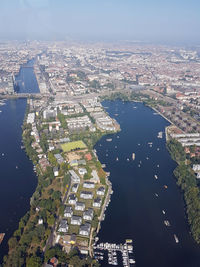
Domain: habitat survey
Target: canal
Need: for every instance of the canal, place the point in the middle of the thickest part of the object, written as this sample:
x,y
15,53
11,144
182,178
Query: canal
x,y
17,179
138,201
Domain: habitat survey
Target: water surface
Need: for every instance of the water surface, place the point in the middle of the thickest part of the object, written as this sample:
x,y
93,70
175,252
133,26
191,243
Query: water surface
x,y
135,212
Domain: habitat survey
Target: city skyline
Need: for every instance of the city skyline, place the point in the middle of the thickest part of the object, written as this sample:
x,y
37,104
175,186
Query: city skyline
x,y
146,21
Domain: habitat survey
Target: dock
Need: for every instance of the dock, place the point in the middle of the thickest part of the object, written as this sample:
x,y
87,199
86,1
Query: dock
x,y
114,252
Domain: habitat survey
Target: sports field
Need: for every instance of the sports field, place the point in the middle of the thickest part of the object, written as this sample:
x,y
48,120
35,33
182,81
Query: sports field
x,y
73,146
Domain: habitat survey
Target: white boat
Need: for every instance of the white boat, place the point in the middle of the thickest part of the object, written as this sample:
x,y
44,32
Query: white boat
x,y
127,159
155,176
167,223
138,165
158,149
176,238
109,139
160,134
117,159
163,211
156,194
158,166
118,136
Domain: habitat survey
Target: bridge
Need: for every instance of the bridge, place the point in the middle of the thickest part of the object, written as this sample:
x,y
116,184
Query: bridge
x,y
28,67
21,95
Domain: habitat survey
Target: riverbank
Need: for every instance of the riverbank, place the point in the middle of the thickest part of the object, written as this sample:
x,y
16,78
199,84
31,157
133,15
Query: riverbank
x,y
187,181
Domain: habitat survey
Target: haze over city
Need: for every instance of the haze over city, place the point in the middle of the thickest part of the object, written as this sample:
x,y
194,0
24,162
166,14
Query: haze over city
x,y
111,20
100,133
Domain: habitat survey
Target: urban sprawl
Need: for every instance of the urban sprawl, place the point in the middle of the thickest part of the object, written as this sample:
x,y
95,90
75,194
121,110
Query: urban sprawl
x,y
66,118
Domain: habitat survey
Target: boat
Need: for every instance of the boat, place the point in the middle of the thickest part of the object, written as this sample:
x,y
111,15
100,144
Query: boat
x,y
163,211
16,167
133,156
118,136
155,176
2,154
1,237
158,166
167,223
156,194
117,159
160,135
138,144
176,238
147,158
109,139
138,165
127,159
158,149
165,186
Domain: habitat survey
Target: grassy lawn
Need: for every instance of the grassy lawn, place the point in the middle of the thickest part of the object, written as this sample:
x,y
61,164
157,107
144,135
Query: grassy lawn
x,y
73,146
73,229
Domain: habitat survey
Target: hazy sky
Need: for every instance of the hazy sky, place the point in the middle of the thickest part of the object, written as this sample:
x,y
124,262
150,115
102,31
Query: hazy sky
x,y
145,20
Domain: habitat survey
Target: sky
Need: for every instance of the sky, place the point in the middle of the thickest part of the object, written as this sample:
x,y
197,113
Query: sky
x,y
170,21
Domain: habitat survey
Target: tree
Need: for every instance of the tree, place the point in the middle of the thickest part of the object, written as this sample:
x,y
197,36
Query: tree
x,y
34,261
12,242
52,159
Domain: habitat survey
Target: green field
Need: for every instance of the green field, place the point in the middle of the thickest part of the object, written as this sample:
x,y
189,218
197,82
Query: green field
x,y
73,146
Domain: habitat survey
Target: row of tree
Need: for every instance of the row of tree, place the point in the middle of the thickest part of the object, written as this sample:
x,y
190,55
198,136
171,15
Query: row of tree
x,y
186,179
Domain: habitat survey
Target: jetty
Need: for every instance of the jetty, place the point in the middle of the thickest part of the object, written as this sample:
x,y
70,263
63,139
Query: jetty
x,y
113,252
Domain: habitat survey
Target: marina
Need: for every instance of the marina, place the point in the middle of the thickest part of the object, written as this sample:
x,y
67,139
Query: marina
x,y
115,253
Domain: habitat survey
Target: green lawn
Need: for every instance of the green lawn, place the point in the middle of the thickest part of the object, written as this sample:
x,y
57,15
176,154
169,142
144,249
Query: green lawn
x,y
73,146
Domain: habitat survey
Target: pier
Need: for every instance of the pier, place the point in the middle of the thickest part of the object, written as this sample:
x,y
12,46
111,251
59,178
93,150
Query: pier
x,y
114,252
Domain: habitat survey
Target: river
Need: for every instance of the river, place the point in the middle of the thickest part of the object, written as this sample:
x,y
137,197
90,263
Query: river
x,y
135,212
17,179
